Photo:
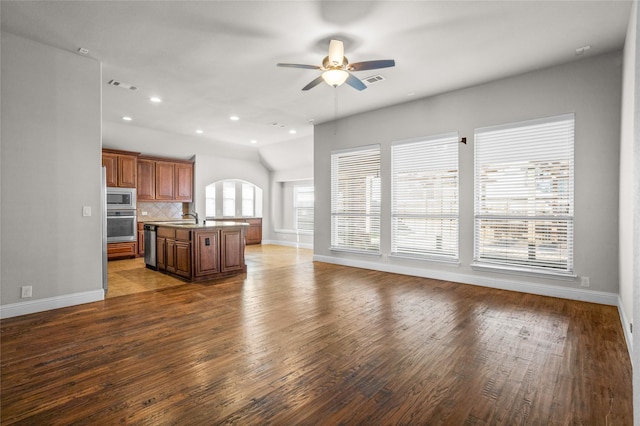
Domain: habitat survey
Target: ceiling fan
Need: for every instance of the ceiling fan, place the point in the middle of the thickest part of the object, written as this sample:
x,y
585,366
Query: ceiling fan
x,y
336,68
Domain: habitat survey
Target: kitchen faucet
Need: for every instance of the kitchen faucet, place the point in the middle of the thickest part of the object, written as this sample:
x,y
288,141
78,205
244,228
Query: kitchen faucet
x,y
195,215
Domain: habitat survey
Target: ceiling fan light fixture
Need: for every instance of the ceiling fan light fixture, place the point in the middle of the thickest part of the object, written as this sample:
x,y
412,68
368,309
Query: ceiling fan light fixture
x,y
335,77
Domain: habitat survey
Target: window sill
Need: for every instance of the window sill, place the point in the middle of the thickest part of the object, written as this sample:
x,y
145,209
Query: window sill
x,y
350,251
425,258
514,270
292,232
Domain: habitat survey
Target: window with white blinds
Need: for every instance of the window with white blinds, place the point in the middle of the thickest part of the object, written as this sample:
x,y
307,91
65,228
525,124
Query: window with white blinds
x,y
247,199
303,199
355,200
229,198
424,198
524,174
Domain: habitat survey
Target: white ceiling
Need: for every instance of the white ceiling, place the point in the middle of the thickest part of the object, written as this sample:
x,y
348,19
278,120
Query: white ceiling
x,y
209,60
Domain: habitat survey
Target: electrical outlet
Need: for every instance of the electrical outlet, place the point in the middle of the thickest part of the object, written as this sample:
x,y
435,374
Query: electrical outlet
x,y
26,291
86,211
584,282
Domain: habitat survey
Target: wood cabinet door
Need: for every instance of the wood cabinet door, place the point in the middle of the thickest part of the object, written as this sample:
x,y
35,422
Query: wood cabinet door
x,y
161,253
183,190
164,180
170,247
232,249
254,231
183,259
207,256
110,161
146,180
127,171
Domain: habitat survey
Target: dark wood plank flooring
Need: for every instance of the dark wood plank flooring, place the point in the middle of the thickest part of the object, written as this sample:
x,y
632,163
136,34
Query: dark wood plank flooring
x,y
297,342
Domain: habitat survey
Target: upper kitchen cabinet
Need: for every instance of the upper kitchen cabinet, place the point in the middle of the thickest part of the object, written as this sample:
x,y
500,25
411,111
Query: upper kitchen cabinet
x,y
183,189
146,180
163,179
122,168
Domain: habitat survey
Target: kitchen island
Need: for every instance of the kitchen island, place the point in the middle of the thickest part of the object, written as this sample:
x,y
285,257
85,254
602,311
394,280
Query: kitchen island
x,y
199,252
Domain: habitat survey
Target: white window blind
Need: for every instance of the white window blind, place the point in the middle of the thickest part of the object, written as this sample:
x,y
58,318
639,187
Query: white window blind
x,y
303,200
355,200
210,194
424,198
229,198
247,199
524,174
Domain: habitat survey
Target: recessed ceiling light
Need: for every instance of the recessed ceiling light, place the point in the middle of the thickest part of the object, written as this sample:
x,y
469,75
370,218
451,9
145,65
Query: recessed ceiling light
x,y
254,141
127,118
155,99
234,118
199,131
292,132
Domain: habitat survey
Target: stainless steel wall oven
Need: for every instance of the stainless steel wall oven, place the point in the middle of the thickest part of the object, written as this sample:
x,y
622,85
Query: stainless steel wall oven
x,y
121,226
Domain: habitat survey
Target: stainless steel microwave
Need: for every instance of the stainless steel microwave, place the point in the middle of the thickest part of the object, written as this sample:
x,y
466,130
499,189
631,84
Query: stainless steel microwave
x,y
121,198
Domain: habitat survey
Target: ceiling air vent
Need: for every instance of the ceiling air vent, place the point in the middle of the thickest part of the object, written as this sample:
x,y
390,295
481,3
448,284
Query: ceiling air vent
x,y
373,79
121,84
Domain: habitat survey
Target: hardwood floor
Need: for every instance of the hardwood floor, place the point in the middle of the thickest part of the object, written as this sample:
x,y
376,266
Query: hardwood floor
x,y
300,342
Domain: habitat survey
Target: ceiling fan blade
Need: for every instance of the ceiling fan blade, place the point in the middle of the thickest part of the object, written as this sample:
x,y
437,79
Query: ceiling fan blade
x,y
372,65
336,52
355,82
313,84
308,67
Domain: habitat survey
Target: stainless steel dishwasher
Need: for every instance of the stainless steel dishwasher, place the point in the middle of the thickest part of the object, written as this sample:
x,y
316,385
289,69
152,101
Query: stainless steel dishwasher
x,y
150,246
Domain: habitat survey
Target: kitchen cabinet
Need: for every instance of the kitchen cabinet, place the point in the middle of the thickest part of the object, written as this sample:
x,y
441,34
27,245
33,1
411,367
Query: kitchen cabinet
x,y
163,179
121,250
231,249
140,239
121,168
201,252
207,255
183,186
173,251
254,231
146,183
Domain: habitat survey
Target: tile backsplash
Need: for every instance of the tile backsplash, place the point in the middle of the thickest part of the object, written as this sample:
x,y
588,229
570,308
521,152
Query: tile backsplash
x,y
161,211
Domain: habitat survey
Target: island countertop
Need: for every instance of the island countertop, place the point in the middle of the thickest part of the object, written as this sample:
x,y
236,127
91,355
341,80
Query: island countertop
x,y
192,225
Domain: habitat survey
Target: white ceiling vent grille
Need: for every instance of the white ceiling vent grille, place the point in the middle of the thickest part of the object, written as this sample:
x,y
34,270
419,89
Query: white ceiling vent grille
x,y
373,79
121,84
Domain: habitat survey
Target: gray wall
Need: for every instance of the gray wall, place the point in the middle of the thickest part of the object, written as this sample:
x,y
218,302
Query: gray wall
x,y
590,87
628,194
50,169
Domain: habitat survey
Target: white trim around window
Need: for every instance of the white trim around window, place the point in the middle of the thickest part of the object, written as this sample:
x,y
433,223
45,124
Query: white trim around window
x,y
524,197
424,198
355,200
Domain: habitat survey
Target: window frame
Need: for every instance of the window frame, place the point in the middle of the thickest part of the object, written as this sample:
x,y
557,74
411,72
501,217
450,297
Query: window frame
x,y
359,202
297,207
425,195
521,159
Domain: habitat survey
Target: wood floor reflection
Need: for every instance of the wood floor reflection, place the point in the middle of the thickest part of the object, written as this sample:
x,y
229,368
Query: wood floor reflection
x,y
300,342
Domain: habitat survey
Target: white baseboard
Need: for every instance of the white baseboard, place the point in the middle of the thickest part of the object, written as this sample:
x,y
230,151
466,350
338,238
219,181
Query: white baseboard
x,y
289,244
601,297
39,305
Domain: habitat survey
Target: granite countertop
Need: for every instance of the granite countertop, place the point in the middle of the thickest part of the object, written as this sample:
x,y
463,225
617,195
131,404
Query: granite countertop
x,y
190,224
